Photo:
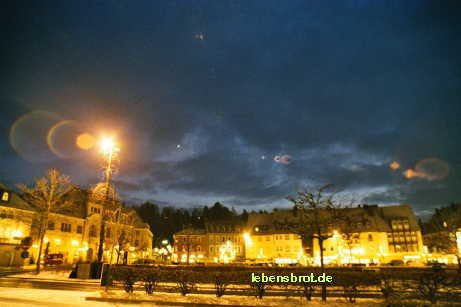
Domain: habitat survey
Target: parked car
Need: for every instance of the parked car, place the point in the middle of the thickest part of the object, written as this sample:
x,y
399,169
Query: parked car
x,y
144,262
437,265
371,269
54,259
396,262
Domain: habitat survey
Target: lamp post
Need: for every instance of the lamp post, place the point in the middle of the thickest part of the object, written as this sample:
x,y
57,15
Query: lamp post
x,y
108,149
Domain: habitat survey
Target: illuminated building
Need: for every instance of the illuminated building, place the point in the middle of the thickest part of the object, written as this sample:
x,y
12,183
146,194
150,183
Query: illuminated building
x,y
73,233
219,242
190,245
365,234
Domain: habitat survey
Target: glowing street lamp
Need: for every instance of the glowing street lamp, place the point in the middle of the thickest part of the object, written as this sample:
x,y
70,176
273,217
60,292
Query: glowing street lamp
x,y
108,148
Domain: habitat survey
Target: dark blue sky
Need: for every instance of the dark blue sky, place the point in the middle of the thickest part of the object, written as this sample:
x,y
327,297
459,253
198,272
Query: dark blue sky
x,y
338,89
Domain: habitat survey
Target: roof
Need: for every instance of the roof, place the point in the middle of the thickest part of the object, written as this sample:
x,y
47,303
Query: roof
x,y
191,231
15,201
356,219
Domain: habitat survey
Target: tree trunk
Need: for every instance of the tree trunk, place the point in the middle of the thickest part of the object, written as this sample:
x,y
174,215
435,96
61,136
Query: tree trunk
x,y
322,269
458,257
43,227
102,233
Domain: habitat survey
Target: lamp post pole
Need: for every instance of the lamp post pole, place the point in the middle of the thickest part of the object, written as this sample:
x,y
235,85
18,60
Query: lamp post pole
x,y
108,148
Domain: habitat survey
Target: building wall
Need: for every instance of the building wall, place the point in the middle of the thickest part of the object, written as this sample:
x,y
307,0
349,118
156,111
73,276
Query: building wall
x,y
192,246
225,247
368,247
76,238
283,248
15,224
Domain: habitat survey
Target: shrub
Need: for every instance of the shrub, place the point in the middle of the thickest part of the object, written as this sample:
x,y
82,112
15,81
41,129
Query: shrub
x,y
126,276
150,278
185,281
308,290
220,283
430,284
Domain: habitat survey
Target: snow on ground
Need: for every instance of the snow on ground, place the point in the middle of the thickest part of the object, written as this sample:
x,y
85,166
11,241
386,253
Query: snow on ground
x,y
55,276
19,297
63,298
234,300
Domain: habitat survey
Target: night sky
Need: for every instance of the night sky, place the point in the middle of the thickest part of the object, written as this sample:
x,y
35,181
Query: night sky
x,y
241,102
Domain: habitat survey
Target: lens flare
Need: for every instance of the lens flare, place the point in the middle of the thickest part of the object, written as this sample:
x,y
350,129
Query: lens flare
x,y
58,138
433,168
429,169
28,135
394,165
283,159
409,174
85,141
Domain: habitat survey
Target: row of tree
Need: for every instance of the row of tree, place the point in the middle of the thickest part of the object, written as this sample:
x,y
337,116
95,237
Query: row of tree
x,y
165,221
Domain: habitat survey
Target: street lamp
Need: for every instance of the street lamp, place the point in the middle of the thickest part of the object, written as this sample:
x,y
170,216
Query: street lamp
x,y
108,149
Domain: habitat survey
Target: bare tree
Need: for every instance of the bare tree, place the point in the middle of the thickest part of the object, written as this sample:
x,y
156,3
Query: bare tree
x,y
316,212
105,195
47,196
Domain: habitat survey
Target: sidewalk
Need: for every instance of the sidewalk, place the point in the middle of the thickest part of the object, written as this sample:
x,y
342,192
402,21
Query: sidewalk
x,y
53,276
9,270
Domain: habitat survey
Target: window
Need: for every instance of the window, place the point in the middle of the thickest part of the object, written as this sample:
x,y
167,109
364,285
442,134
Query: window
x,y
5,196
136,242
79,229
287,237
268,238
370,237
50,225
199,248
93,231
65,227
108,233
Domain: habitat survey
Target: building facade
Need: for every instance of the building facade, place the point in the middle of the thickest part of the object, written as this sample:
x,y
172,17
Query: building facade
x,y
366,234
74,234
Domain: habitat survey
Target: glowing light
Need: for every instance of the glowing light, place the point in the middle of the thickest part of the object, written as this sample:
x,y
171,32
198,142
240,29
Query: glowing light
x,y
85,141
165,242
74,243
394,165
17,234
247,239
57,241
227,252
34,245
107,145
131,248
409,173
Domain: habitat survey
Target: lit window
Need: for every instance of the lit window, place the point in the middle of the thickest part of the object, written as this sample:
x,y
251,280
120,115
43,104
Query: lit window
x,y
5,196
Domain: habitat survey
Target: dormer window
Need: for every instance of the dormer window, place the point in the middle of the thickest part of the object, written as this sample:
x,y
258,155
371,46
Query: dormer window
x,y
5,196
